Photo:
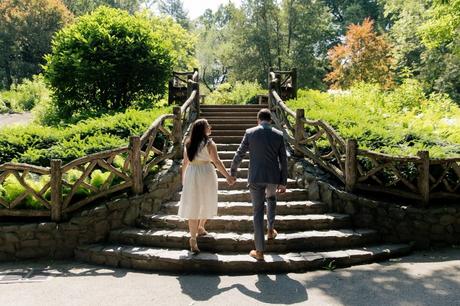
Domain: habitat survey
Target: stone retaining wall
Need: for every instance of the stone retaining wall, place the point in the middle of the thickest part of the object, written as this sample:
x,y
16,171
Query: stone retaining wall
x,y
396,222
59,240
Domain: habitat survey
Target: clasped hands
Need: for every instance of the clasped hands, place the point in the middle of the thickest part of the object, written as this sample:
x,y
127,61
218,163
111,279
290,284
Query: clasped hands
x,y
231,180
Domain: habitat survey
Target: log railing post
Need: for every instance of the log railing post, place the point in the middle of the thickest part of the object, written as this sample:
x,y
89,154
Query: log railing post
x,y
299,130
424,176
197,96
294,83
170,91
351,165
136,164
271,86
177,132
56,190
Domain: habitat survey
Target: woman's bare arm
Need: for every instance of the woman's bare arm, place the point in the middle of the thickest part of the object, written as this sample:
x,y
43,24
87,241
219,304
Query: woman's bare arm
x,y
185,163
212,149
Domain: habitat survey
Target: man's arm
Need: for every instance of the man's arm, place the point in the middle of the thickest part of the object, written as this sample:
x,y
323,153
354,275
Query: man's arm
x,y
283,162
239,155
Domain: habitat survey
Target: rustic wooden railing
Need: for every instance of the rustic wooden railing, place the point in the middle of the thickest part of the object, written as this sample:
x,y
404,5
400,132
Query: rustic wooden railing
x,y
416,177
69,187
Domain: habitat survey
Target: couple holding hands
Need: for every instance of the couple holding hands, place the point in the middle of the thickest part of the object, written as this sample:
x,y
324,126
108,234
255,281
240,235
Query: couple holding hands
x,y
267,176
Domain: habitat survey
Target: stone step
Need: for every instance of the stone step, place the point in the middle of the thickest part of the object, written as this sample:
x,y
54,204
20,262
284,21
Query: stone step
x,y
234,127
227,139
179,261
234,242
243,184
227,106
243,195
233,112
244,163
219,120
245,208
227,154
239,133
228,147
241,174
228,114
243,223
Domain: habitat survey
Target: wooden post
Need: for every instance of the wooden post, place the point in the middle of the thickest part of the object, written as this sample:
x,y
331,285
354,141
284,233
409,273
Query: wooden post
x,y
294,83
56,190
197,97
270,88
424,176
136,164
299,130
177,132
351,165
170,91
189,85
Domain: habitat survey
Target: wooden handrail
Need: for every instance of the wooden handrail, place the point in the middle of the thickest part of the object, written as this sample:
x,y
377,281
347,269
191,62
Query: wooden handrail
x,y
138,158
343,158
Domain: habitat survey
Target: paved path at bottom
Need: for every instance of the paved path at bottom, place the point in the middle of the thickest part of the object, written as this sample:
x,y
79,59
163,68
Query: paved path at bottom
x,y
423,278
15,119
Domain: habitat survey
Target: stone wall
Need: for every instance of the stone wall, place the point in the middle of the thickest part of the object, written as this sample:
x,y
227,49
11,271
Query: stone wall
x,y
58,240
396,222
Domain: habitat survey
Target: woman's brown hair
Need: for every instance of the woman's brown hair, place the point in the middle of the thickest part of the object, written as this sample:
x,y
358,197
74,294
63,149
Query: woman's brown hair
x,y
197,137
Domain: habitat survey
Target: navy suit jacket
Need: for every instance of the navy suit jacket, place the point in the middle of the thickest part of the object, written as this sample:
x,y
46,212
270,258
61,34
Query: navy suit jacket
x,y
267,155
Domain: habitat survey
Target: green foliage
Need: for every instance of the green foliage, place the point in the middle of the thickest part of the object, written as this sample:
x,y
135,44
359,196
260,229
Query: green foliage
x,y
175,9
431,55
25,35
346,12
12,189
443,25
240,93
399,122
180,43
25,96
105,61
36,144
241,44
80,7
98,178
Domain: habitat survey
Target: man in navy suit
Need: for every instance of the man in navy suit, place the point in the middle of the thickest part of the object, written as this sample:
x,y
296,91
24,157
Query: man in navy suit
x,y
267,174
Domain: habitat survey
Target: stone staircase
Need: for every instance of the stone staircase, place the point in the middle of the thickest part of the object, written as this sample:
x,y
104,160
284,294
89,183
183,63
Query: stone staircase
x,y
310,237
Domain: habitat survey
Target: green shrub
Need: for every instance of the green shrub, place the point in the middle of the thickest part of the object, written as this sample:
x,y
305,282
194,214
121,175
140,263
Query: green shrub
x,y
98,178
399,122
24,96
12,189
105,61
3,106
37,144
14,141
239,93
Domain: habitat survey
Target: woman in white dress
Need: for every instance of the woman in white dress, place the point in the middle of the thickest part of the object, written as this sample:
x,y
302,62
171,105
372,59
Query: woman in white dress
x,y
199,179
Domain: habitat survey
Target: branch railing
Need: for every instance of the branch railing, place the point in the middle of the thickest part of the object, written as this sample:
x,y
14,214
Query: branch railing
x,y
59,190
415,177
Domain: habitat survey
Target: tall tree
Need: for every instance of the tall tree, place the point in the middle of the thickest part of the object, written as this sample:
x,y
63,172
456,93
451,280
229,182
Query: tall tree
x,y
309,34
425,38
80,7
213,30
26,29
346,12
440,34
364,56
175,9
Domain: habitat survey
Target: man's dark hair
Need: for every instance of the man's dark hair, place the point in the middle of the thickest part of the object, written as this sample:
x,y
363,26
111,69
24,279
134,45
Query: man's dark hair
x,y
264,115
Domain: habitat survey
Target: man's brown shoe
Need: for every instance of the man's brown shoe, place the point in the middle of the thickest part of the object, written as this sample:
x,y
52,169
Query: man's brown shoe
x,y
258,255
271,234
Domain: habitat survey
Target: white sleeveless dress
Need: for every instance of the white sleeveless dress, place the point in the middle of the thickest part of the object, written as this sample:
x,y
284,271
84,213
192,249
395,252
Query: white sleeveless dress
x,y
199,192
